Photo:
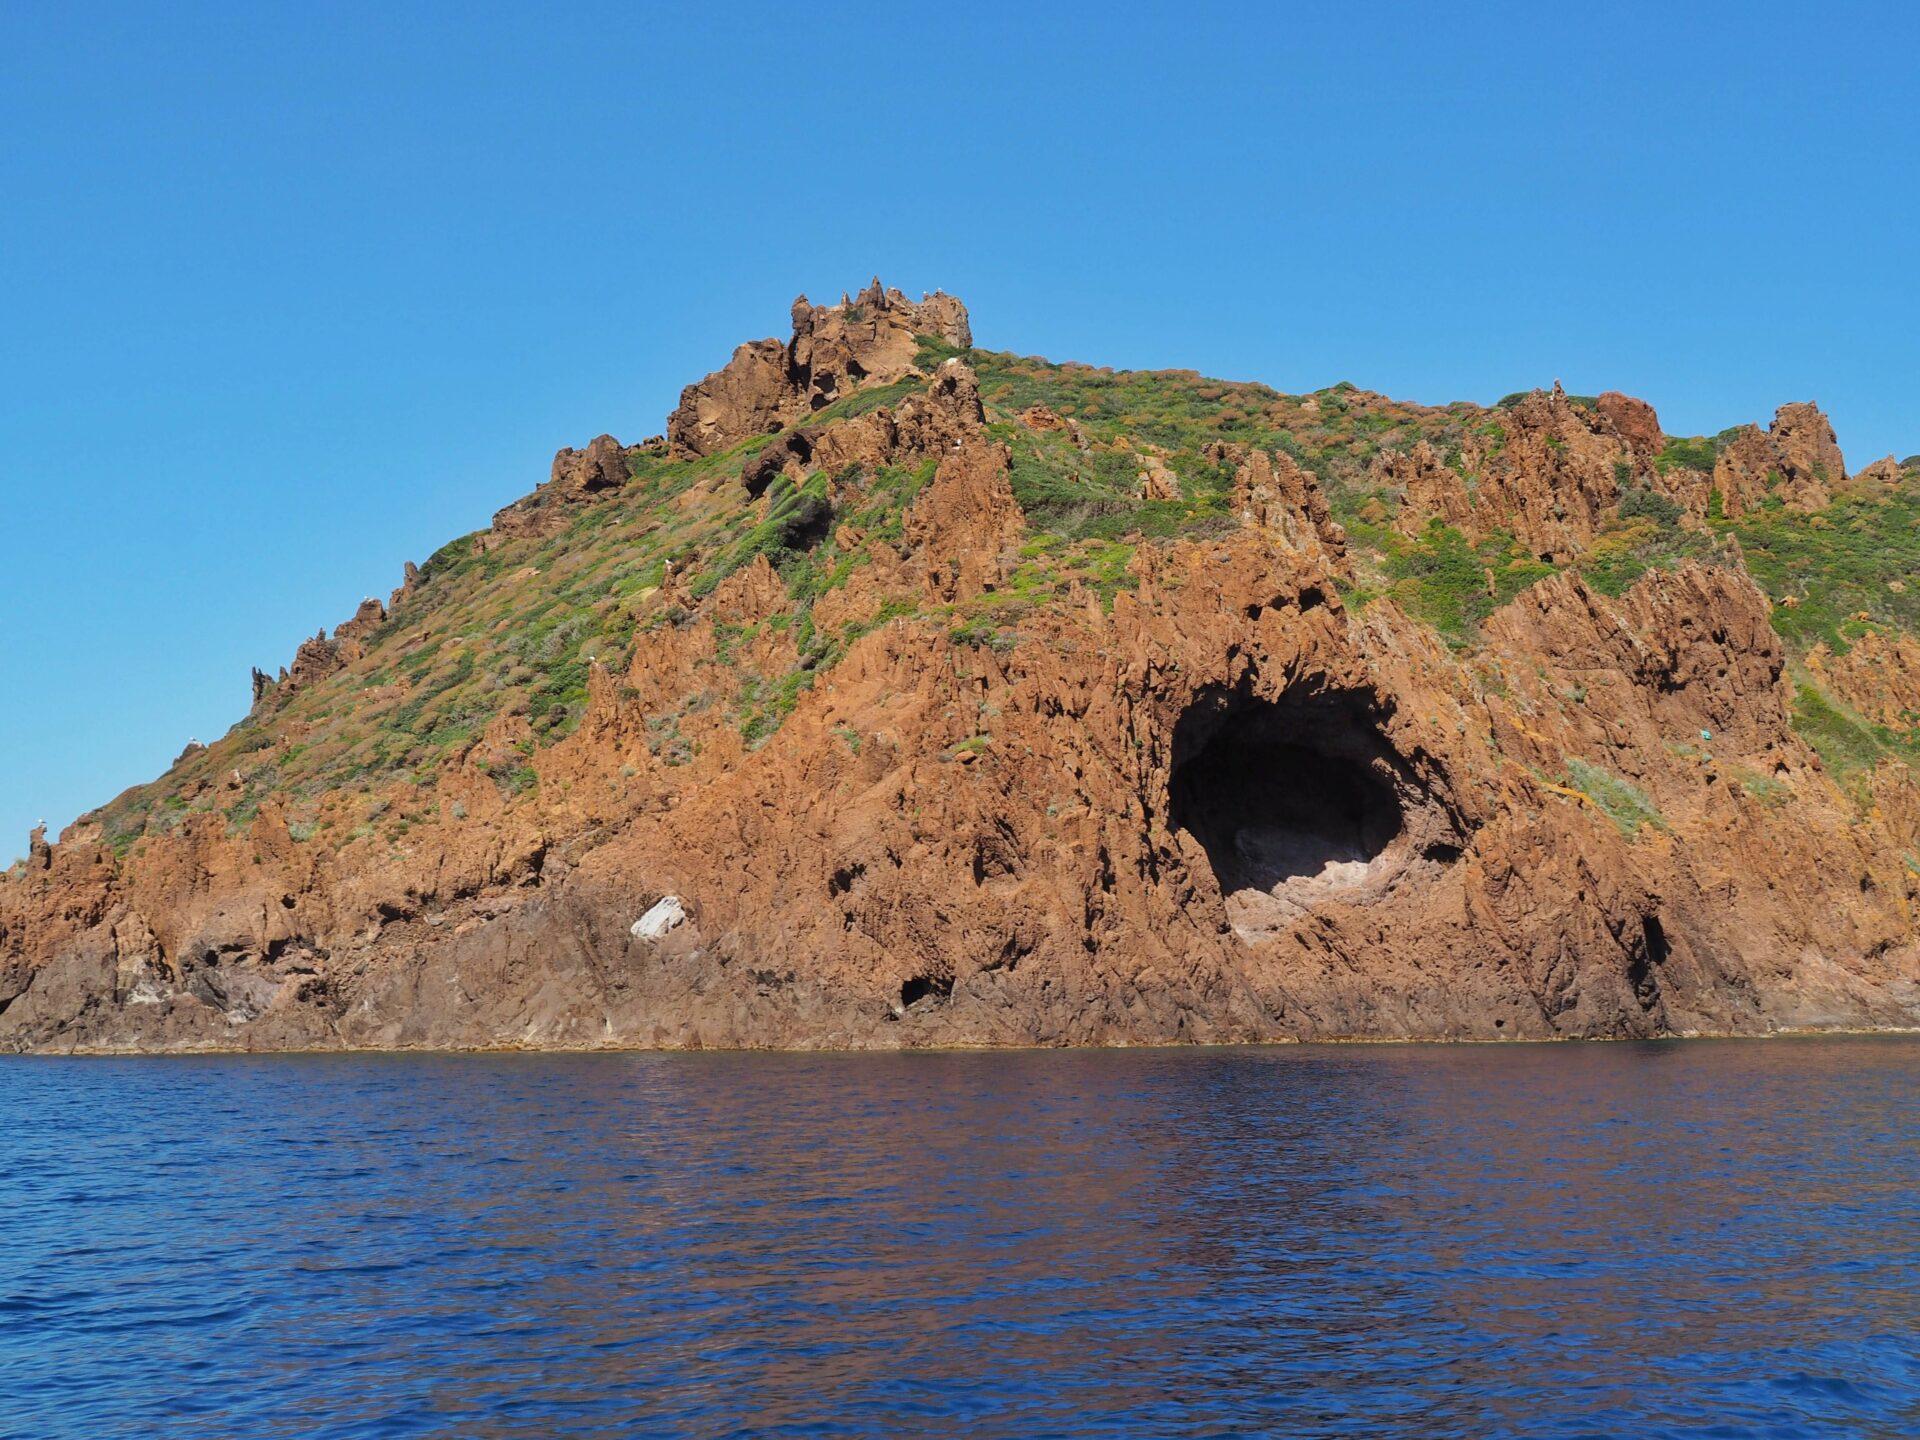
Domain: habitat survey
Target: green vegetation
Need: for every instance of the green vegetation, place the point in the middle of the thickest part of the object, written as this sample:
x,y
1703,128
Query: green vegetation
x,y
1641,503
1847,744
1619,799
1446,580
1691,453
1097,494
1623,552
1838,564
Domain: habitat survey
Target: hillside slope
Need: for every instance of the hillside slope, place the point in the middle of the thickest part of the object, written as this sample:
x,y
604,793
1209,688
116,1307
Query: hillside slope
x,y
918,694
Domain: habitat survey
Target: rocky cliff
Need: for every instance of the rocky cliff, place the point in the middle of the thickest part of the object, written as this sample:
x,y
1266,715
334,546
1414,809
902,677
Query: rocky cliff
x,y
910,694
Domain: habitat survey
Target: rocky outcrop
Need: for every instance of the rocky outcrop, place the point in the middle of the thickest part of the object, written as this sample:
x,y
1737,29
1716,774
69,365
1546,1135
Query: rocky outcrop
x,y
1634,421
1431,490
603,465
1545,468
1882,473
352,635
1274,491
1796,460
930,424
1042,421
871,339
312,662
320,657
1809,452
578,476
754,393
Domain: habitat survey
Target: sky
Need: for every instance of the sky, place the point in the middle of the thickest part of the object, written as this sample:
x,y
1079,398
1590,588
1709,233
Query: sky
x,y
292,294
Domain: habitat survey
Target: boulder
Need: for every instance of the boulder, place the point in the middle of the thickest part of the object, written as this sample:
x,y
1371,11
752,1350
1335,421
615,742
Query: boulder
x,y
601,466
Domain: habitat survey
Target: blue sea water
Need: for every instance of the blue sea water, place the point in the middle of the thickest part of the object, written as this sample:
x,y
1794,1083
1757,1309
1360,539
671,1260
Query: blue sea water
x,y
1698,1238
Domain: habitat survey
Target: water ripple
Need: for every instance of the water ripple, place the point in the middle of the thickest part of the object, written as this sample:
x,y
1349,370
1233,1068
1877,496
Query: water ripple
x,y
1693,1239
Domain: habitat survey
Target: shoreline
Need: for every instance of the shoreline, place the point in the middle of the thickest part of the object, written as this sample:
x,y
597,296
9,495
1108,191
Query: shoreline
x,y
1783,1033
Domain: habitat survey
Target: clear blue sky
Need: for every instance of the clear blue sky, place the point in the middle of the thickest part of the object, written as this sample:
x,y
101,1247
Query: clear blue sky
x,y
294,294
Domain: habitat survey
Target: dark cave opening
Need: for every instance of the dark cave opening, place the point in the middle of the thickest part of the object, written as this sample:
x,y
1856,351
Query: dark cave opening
x,y
919,987
1645,959
1292,800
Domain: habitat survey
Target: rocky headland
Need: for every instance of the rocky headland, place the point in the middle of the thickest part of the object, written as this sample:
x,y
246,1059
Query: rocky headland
x,y
905,693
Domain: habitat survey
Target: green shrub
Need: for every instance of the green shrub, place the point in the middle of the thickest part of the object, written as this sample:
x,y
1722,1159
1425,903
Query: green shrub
x,y
1641,501
1619,799
1842,743
1694,452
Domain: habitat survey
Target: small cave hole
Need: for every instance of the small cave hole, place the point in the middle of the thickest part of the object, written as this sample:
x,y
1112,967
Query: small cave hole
x,y
1644,961
1654,940
919,987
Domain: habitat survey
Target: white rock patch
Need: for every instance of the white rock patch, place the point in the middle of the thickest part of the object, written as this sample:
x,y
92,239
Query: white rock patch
x,y
667,914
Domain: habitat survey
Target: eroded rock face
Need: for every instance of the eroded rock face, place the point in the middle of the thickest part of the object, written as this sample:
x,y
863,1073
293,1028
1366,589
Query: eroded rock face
x,y
1807,446
1549,471
1634,421
1274,491
320,657
1211,804
601,466
1796,460
1224,810
352,635
312,662
871,339
1299,801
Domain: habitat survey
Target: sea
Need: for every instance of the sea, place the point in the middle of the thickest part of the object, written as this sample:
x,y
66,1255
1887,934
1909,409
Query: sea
x,y
1685,1238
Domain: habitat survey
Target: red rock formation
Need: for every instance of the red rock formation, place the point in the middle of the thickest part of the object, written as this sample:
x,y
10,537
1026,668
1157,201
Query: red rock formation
x,y
578,476
1215,804
929,424
1549,473
312,662
1809,453
1797,459
1275,492
601,466
869,340
1634,421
